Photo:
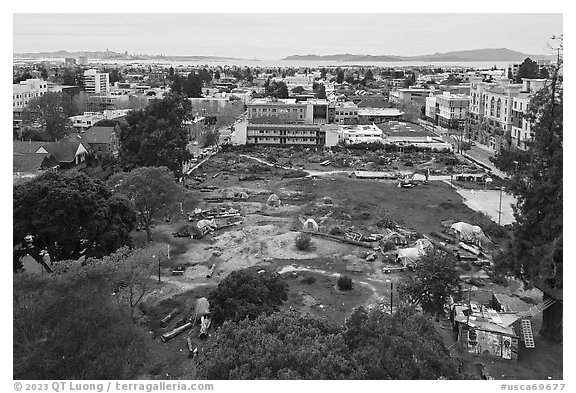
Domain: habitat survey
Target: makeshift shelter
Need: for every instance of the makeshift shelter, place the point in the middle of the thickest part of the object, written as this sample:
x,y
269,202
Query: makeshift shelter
x,y
206,224
201,308
311,225
241,195
394,237
467,232
273,200
408,257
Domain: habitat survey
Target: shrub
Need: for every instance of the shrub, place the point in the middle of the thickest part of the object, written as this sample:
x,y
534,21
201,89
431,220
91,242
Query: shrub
x,y
500,280
336,231
303,242
308,280
344,283
364,215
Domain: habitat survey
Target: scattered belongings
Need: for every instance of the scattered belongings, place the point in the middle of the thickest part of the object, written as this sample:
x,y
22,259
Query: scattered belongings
x,y
191,231
205,322
170,315
340,239
201,308
178,271
213,213
325,163
274,201
190,346
390,235
443,237
471,249
211,271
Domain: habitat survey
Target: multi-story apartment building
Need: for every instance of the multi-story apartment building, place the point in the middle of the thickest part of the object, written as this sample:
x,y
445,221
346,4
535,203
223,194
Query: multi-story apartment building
x,y
288,109
24,91
345,112
492,116
285,134
521,132
96,82
447,110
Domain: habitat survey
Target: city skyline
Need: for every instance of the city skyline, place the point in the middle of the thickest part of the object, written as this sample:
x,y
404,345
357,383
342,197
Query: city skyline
x,y
259,36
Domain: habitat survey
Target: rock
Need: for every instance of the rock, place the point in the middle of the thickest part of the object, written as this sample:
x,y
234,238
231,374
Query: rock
x,y
217,253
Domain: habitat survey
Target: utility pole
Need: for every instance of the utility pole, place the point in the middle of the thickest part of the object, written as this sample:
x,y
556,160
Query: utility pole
x,y
391,295
500,209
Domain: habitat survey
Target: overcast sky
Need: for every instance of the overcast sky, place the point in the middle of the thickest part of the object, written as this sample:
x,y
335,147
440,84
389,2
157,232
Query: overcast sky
x,y
272,36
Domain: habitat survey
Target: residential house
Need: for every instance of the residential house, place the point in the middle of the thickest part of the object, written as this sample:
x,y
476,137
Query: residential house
x,y
67,153
98,140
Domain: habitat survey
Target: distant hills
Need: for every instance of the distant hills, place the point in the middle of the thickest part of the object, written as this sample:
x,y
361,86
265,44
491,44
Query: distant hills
x,y
474,55
107,55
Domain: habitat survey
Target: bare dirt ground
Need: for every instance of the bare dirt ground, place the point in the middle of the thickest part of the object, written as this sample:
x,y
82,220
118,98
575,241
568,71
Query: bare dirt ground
x,y
266,240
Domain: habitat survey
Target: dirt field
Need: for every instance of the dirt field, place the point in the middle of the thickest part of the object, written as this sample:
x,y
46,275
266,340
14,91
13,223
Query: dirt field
x,y
265,239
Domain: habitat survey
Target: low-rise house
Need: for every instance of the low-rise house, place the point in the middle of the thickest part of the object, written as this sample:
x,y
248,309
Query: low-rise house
x,y
98,140
67,153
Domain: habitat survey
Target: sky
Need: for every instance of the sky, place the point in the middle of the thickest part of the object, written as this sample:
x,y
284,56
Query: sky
x,y
273,36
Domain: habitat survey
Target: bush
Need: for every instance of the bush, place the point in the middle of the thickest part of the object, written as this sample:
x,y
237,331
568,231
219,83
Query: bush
x,y
500,280
336,231
303,242
364,216
344,283
308,280
388,246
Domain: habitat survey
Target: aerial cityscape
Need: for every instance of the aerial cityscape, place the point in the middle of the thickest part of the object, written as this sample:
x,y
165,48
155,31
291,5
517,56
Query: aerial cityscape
x,y
290,197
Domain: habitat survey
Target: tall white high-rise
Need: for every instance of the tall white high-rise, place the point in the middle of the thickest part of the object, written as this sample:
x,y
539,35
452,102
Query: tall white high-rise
x,y
96,82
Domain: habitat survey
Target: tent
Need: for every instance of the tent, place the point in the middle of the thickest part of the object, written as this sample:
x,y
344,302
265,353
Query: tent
x,y
273,200
206,224
394,237
201,308
310,224
467,232
328,201
241,195
409,256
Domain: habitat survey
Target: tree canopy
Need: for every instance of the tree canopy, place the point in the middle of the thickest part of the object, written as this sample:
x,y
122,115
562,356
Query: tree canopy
x,y
528,69
535,254
156,135
277,89
150,189
289,345
68,326
69,212
244,293
435,279
46,114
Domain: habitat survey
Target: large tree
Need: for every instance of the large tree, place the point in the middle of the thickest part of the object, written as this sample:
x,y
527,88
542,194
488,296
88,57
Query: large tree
x,y
156,135
244,293
528,69
289,345
192,86
277,89
46,114
68,326
535,254
151,189
70,214
433,282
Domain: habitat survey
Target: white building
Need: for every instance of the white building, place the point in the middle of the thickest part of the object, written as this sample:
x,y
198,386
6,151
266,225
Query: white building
x,y
23,92
361,134
447,110
96,82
